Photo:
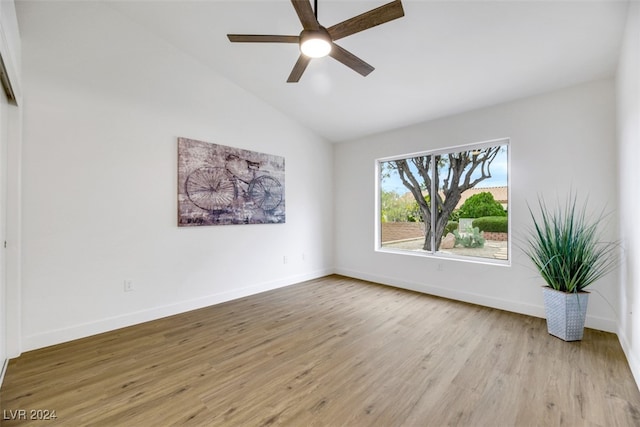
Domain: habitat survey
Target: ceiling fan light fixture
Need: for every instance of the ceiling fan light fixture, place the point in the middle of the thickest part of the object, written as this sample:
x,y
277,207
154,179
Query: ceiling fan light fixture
x,y
315,44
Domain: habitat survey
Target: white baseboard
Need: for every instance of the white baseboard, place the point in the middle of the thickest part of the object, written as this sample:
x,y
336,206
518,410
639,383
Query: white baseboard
x,y
58,336
593,322
634,363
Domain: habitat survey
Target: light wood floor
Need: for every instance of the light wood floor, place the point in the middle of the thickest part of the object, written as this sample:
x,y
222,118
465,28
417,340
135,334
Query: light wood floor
x,y
329,352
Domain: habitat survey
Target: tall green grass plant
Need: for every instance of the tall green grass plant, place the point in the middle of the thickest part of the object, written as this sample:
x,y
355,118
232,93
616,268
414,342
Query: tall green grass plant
x,y
567,248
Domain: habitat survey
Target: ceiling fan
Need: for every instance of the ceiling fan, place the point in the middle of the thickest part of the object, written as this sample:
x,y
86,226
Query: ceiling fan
x,y
317,41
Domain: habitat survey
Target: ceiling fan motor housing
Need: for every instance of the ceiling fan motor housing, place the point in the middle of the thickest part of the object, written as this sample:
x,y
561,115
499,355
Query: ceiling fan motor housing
x,y
315,43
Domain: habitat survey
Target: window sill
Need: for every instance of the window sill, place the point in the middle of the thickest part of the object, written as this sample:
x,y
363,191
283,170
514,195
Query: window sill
x,y
445,256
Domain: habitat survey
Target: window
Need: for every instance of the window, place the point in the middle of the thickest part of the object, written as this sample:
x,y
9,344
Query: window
x,y
451,203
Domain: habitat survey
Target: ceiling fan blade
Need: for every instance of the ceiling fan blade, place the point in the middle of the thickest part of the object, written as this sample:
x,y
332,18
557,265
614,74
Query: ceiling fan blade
x,y
305,14
350,60
377,16
298,69
259,38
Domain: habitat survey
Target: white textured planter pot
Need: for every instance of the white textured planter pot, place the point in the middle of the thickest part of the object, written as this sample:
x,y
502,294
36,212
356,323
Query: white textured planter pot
x,y
566,313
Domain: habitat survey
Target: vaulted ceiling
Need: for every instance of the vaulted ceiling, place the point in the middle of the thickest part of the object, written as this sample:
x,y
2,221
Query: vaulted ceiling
x,y
441,58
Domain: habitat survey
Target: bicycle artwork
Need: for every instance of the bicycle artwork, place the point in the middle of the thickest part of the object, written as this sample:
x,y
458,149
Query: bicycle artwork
x,y
220,185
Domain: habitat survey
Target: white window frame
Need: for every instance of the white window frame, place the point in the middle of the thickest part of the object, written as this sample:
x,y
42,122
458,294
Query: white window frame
x,y
437,254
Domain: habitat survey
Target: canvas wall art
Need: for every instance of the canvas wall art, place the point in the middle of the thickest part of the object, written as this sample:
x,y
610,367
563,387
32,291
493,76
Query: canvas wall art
x,y
221,185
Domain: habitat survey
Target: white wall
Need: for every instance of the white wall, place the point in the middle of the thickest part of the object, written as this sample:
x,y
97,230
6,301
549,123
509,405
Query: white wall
x,y
559,141
628,91
104,104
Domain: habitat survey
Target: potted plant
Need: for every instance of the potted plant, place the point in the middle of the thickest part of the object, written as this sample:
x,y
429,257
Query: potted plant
x,y
568,250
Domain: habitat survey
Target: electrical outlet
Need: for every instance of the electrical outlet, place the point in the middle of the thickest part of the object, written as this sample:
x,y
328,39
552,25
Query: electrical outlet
x,y
284,259
128,285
